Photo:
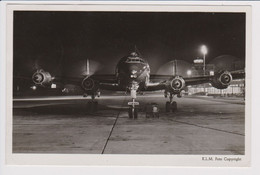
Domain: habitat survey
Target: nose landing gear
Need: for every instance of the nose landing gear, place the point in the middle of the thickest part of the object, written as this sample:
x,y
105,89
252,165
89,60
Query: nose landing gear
x,y
133,111
92,106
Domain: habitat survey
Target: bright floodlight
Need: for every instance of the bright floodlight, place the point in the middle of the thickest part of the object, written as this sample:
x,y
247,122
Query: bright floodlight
x,y
34,88
53,86
204,50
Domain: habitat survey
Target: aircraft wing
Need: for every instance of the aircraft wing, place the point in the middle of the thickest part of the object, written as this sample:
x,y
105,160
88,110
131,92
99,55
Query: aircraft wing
x,y
160,82
88,83
45,79
156,86
101,78
104,81
209,79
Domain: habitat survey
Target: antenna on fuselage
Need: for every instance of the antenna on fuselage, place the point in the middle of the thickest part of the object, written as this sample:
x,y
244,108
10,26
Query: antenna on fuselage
x,y
137,51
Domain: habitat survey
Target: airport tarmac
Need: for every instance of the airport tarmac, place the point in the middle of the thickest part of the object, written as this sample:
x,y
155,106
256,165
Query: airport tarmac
x,y
201,125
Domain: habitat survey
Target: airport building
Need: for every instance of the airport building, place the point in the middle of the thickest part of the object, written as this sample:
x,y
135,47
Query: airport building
x,y
237,88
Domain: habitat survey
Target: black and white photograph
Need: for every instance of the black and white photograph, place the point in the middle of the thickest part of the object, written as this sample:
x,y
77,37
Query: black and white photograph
x,y
115,82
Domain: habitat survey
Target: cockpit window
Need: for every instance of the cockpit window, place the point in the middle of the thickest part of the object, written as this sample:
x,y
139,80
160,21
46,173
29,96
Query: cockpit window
x,y
134,60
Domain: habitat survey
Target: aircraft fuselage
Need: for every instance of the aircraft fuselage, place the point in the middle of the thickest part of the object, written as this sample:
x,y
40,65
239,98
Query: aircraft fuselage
x,y
132,70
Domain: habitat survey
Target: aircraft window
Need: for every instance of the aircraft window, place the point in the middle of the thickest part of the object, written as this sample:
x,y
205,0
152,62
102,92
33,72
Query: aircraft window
x,y
138,60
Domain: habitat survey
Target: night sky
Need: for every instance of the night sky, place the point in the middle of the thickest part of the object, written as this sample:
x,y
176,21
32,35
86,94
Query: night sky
x,y
60,41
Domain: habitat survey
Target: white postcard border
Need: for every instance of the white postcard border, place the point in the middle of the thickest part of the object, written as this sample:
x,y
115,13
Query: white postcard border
x,y
124,160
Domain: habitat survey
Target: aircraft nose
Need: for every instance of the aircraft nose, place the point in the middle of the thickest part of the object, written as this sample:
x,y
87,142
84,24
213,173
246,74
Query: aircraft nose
x,y
131,69
134,71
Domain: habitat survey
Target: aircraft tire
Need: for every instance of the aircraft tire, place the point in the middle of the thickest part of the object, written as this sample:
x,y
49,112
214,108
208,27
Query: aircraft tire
x,y
130,113
168,106
135,113
174,106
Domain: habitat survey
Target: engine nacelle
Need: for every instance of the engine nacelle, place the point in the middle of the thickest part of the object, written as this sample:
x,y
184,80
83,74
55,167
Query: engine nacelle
x,y
42,78
88,84
222,80
176,84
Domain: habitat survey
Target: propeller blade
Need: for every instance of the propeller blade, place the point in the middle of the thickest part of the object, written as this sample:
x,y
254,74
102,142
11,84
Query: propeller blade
x,y
91,67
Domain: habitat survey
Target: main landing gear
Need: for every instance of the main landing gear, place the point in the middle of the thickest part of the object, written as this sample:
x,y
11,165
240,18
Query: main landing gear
x,y
133,111
170,105
92,106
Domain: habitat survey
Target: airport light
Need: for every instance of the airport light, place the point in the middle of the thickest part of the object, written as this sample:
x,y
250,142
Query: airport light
x,y
53,86
34,88
204,51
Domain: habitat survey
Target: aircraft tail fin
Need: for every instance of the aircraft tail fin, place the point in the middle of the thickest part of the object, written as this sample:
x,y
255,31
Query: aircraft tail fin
x,y
137,51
